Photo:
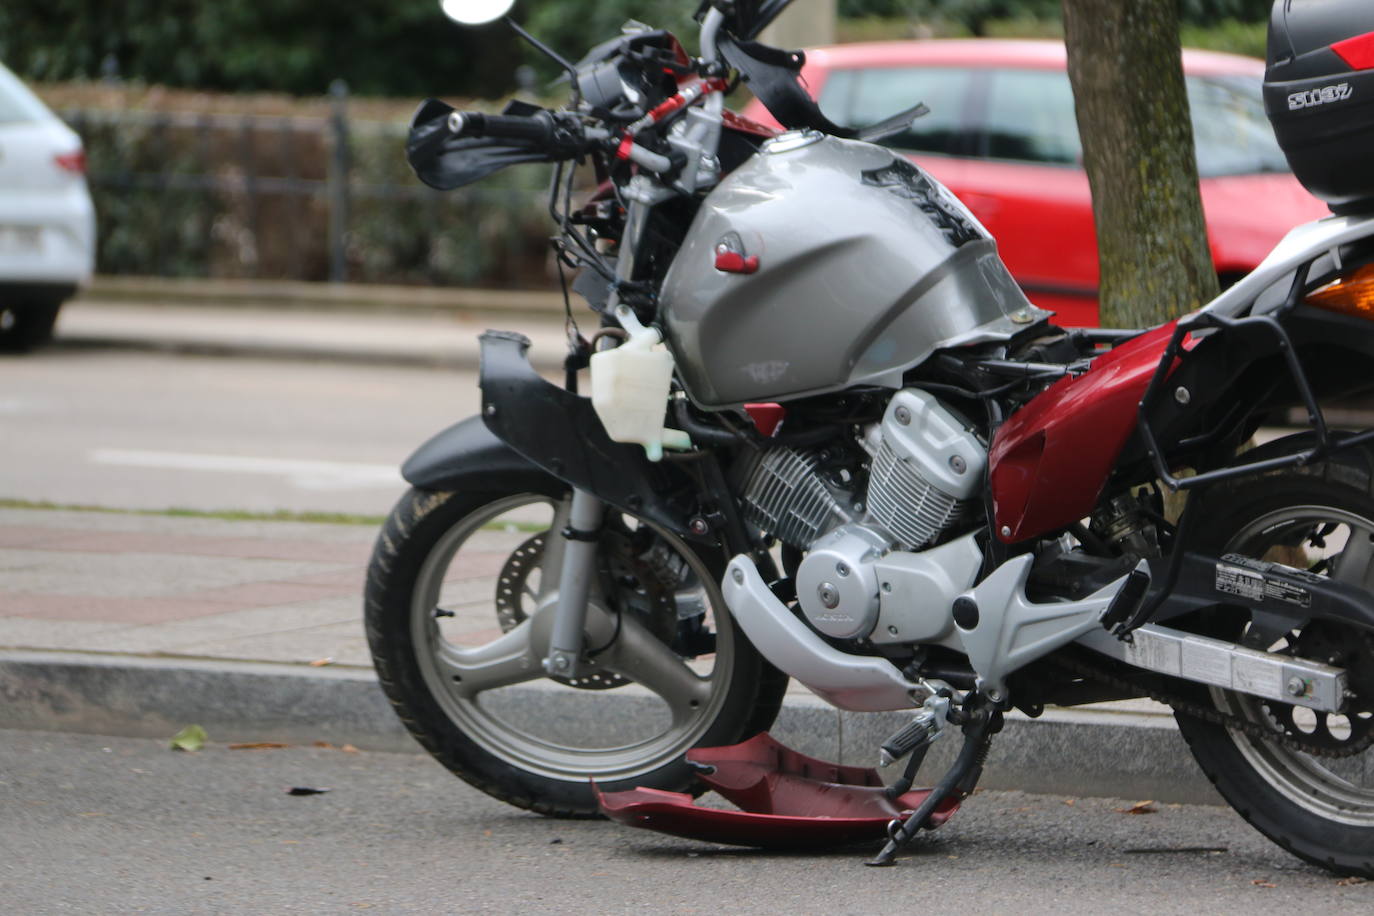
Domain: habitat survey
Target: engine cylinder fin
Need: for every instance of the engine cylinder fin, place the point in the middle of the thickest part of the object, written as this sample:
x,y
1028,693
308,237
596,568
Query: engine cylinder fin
x,y
905,503
786,497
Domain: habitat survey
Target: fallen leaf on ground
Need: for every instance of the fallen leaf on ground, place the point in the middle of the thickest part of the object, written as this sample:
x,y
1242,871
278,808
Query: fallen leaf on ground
x,y
257,746
1140,807
190,738
1070,802
321,662
1351,881
349,749
1260,882
323,744
305,790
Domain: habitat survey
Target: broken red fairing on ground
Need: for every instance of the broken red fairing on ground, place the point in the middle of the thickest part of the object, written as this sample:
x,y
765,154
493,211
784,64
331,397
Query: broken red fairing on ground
x,y
787,800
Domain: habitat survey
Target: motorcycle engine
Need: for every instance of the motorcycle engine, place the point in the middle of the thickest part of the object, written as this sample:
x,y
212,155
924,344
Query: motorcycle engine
x,y
926,466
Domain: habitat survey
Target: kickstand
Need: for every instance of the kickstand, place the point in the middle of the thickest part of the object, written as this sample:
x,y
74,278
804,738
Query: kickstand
x,y
908,778
960,779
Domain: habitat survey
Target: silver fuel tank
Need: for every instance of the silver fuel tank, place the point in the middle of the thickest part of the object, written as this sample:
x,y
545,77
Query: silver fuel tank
x,y
866,265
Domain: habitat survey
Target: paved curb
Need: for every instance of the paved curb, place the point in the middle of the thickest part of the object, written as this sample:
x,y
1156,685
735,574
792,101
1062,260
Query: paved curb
x,y
1065,752
322,296
436,340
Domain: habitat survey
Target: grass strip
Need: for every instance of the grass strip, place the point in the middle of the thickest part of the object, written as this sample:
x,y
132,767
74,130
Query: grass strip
x,y
240,515
232,515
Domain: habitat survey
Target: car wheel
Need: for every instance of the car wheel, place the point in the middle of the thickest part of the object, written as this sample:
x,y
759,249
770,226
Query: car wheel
x,y
26,325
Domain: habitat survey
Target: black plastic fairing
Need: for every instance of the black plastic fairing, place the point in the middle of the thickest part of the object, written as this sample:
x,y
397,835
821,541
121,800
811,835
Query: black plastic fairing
x,y
445,162
772,75
468,456
1264,588
561,433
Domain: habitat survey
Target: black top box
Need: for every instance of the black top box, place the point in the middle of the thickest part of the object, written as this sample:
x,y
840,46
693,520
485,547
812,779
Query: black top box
x,y
1319,95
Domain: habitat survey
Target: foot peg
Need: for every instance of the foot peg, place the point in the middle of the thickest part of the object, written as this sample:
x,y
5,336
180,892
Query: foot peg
x,y
924,728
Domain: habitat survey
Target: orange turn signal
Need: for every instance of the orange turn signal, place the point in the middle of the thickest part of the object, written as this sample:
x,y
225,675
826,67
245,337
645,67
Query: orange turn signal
x,y
1352,294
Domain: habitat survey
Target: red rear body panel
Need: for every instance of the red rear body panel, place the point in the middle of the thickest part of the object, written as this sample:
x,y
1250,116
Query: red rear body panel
x,y
1052,457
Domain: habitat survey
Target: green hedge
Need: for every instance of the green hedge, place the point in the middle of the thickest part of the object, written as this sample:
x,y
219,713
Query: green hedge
x,y
249,198
395,47
380,47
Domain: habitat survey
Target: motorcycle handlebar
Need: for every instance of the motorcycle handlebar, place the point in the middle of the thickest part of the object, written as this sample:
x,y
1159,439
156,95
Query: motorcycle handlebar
x,y
561,139
537,129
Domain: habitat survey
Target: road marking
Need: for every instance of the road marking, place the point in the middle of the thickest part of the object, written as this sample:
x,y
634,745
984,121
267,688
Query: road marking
x,y
308,475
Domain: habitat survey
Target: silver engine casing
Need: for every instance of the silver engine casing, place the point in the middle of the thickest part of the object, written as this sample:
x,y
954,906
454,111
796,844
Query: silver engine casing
x,y
870,577
866,265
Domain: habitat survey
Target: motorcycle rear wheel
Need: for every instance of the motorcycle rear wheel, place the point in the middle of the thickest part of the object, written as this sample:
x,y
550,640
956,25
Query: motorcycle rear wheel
x,y
457,606
1319,808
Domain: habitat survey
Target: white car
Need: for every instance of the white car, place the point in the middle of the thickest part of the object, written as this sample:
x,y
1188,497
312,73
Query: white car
x,y
47,223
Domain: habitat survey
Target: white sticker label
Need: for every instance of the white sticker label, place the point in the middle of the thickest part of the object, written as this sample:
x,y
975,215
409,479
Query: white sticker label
x,y
1243,583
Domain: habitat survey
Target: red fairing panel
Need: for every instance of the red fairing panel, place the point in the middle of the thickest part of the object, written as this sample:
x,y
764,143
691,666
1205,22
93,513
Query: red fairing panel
x,y
1052,457
787,800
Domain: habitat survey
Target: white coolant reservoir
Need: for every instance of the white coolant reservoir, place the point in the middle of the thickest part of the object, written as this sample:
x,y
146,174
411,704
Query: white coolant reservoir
x,y
630,391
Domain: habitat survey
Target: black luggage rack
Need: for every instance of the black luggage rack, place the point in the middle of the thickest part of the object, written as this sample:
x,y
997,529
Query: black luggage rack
x,y
1325,443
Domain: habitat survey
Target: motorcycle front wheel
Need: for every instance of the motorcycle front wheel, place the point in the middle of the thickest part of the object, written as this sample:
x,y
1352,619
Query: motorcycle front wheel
x,y
1303,778
460,598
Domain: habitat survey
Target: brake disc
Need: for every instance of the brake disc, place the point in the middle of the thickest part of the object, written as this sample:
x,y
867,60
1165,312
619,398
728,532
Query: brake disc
x,y
513,584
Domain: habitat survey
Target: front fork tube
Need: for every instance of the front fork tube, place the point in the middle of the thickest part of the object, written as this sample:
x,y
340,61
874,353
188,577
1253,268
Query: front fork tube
x,y
575,578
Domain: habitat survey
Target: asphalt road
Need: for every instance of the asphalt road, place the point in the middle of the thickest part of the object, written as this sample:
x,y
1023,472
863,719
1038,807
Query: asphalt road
x,y
157,431
100,825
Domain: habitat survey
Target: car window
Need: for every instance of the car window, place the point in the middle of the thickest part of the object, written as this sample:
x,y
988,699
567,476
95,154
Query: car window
x,y
1232,132
858,98
1030,117
17,103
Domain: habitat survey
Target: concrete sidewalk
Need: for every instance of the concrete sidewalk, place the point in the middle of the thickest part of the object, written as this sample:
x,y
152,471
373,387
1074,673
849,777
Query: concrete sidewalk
x,y
439,338
117,623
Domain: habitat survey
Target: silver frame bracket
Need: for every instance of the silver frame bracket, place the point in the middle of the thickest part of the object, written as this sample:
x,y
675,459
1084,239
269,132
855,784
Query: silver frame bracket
x,y
1222,664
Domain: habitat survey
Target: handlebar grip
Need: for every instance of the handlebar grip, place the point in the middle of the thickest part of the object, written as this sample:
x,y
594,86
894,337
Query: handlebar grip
x,y
537,129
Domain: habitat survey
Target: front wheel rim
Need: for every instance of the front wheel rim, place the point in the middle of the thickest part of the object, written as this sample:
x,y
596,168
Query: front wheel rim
x,y
488,724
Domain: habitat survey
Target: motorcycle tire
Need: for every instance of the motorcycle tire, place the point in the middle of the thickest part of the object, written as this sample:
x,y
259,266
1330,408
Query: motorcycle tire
x,y
450,568
1318,807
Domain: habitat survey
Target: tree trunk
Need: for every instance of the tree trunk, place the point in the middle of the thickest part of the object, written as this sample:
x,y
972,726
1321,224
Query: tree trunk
x,y
1126,68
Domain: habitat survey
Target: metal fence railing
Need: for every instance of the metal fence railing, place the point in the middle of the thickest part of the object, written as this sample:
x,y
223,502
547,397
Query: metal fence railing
x,y
298,198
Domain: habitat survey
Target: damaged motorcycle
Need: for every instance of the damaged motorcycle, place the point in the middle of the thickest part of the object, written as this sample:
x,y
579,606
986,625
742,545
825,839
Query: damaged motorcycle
x,y
827,438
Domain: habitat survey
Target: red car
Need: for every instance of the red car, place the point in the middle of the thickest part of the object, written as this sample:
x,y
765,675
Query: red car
x,y
1001,135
